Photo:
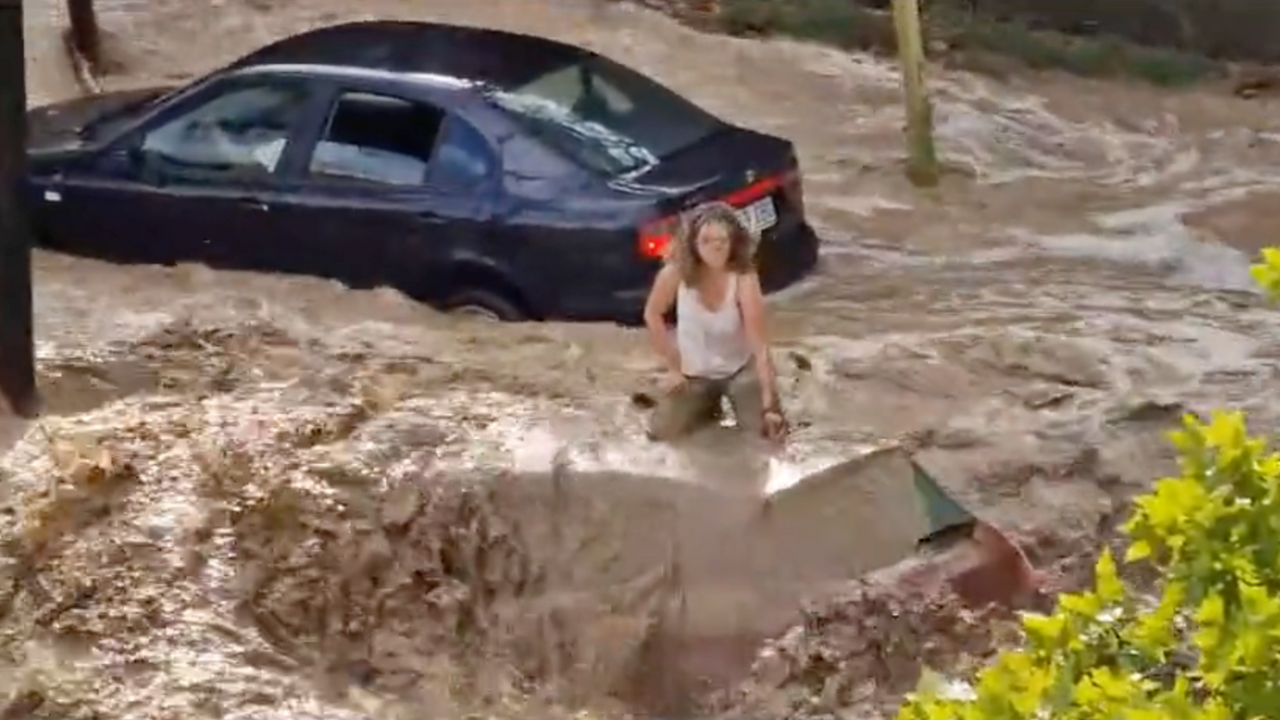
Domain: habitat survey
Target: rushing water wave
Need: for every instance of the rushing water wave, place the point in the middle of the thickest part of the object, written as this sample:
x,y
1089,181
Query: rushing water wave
x,y
239,453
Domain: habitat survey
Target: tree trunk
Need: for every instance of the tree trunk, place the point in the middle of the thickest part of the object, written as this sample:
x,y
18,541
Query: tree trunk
x,y
922,157
17,362
85,36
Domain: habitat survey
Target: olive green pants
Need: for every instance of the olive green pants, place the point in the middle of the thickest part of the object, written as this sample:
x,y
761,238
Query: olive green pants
x,y
697,403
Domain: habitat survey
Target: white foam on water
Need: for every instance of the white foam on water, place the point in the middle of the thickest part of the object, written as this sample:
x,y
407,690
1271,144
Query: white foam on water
x,y
1004,135
1156,237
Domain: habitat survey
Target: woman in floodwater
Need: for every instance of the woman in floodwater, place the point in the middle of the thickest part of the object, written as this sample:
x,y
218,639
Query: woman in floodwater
x,y
719,346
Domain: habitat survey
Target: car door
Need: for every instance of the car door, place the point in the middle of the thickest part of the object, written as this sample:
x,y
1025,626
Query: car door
x,y
388,193
179,187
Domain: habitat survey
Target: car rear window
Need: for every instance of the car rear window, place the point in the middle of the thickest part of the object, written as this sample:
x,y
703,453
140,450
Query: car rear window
x,y
605,116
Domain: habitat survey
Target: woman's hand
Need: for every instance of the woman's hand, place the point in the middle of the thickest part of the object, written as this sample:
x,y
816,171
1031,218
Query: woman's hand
x,y
672,381
774,425
751,302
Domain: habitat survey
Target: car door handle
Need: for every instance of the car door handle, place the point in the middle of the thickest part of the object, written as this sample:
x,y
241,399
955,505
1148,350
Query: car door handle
x,y
253,203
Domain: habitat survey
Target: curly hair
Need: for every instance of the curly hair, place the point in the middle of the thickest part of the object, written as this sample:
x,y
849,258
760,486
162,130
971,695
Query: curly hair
x,y
684,248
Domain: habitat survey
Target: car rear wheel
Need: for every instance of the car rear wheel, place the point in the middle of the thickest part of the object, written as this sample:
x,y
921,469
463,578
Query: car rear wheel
x,y
486,305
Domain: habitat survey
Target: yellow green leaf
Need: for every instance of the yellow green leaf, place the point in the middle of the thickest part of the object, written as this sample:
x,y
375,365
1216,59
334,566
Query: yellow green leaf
x,y
1080,604
1137,550
1045,632
1212,611
1107,579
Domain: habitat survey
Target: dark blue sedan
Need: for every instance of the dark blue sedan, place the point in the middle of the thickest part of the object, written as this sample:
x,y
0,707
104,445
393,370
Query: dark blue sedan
x,y
472,169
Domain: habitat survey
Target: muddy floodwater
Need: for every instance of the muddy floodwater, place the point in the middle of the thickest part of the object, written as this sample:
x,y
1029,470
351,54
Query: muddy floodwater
x,y
234,506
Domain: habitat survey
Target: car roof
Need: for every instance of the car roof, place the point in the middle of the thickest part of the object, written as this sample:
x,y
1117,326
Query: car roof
x,y
426,50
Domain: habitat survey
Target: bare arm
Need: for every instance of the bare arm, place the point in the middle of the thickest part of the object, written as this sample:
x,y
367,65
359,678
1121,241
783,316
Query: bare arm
x,y
751,300
661,297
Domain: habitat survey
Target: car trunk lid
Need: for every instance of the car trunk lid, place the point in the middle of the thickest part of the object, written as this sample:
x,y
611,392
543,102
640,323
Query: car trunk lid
x,y
755,173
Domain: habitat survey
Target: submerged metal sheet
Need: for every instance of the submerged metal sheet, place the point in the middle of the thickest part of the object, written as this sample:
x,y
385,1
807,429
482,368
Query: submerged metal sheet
x,y
860,515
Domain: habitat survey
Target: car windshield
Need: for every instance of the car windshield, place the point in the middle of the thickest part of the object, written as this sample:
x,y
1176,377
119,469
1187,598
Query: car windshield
x,y
604,116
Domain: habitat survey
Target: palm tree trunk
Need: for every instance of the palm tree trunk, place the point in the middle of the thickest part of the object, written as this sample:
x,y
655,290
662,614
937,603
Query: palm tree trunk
x,y
17,362
85,36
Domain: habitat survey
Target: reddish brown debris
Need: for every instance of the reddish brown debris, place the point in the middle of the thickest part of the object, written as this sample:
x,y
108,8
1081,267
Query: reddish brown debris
x,y
1002,574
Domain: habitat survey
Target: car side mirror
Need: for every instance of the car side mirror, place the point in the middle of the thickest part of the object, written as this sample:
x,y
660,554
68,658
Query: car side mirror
x,y
136,157
127,160
124,159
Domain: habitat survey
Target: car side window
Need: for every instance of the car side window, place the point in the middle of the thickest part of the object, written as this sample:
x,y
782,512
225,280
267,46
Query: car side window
x,y
376,139
239,134
463,155
383,140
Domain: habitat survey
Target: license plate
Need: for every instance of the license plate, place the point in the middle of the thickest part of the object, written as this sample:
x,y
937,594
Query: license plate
x,y
759,215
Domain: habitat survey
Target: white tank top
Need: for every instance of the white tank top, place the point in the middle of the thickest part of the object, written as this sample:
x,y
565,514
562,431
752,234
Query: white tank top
x,y
712,344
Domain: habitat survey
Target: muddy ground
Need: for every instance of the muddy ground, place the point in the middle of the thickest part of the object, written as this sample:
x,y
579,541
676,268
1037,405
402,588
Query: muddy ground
x,y
269,497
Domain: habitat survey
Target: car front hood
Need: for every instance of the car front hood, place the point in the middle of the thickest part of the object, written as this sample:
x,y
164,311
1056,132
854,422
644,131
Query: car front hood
x,y
56,127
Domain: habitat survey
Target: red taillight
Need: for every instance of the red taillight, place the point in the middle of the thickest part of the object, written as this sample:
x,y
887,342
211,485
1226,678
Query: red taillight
x,y
753,192
655,238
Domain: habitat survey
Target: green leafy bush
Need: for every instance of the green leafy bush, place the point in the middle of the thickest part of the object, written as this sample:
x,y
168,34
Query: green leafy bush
x,y
850,25
1206,646
839,23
